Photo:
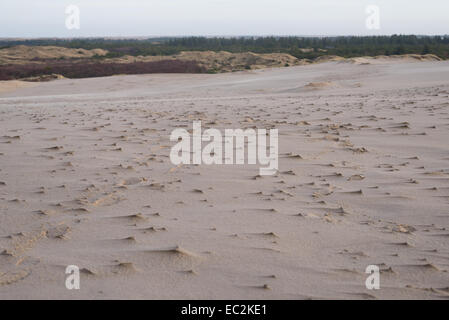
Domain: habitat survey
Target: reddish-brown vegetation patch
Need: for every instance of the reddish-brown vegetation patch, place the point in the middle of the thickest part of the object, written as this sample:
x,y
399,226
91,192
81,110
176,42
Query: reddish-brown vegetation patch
x,y
70,69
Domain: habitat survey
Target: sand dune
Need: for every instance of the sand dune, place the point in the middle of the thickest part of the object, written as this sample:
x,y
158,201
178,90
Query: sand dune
x,y
26,54
85,179
212,61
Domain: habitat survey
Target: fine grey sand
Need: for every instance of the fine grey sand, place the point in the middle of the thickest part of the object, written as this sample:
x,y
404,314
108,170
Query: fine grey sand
x,y
85,179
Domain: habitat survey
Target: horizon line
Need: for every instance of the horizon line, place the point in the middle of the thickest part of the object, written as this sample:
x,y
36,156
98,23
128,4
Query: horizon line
x,y
218,36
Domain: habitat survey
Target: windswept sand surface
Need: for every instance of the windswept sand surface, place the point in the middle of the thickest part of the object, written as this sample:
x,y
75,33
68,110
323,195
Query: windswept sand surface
x,y
85,179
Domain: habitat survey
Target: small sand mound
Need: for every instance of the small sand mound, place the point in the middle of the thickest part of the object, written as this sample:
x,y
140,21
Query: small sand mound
x,y
328,59
131,181
175,251
390,59
87,272
133,217
58,232
13,277
124,268
319,85
44,78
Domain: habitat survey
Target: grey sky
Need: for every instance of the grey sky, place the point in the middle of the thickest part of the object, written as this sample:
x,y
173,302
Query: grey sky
x,y
46,18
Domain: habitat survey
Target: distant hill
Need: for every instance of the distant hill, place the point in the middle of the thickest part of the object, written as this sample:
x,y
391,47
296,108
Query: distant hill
x,y
47,59
299,47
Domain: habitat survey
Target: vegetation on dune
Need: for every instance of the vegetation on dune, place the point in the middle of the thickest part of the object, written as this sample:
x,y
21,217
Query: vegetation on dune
x,y
96,69
82,58
347,47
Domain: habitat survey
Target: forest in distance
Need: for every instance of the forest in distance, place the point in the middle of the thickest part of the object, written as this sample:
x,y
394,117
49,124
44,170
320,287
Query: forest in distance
x,y
299,47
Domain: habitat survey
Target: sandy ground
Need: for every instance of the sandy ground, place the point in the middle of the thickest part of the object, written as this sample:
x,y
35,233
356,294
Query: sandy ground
x,y
85,180
13,85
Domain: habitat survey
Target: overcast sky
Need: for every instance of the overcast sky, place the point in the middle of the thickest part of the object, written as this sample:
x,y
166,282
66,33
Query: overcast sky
x,y
46,18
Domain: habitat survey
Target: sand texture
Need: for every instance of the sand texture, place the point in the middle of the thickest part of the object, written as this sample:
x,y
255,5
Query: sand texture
x,y
86,180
